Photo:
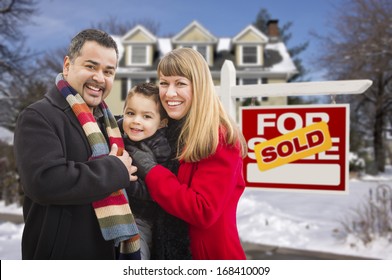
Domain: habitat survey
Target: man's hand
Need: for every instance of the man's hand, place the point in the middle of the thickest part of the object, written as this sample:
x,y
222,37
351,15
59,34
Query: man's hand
x,y
126,160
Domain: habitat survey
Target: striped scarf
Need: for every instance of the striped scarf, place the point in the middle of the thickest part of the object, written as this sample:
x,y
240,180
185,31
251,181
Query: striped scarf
x,y
114,213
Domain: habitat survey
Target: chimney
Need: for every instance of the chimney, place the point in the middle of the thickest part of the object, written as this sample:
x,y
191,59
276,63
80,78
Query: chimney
x,y
273,30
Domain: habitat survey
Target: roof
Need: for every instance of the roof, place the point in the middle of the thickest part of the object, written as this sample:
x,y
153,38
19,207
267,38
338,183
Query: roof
x,y
285,63
276,57
251,29
194,25
164,46
224,44
120,46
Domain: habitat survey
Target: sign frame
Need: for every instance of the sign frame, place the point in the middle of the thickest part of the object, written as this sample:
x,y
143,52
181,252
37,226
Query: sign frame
x,y
327,172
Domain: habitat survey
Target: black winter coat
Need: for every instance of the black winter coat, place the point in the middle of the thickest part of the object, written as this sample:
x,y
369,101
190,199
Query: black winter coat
x,y
60,183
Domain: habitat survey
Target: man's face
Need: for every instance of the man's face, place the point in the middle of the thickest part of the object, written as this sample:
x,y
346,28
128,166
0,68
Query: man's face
x,y
91,74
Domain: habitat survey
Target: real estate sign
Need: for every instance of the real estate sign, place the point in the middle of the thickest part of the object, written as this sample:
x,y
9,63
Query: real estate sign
x,y
297,147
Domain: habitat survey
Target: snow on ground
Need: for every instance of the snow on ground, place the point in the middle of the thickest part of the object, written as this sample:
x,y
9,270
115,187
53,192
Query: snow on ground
x,y
307,220
289,219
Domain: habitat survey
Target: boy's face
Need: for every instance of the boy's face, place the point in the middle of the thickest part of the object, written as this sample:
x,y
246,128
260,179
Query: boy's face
x,y
141,117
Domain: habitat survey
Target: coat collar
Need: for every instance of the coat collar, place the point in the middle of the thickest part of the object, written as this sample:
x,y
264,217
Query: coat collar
x,y
54,96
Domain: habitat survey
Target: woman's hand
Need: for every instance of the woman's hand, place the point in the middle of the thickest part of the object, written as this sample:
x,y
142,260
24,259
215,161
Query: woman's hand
x,y
143,158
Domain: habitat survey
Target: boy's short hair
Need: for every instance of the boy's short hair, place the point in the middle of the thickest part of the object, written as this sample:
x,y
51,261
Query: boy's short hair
x,y
149,90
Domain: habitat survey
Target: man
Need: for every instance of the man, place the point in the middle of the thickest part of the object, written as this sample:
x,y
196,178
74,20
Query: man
x,y
63,170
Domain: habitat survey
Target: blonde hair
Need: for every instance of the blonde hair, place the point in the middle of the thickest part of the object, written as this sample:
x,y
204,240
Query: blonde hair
x,y
199,136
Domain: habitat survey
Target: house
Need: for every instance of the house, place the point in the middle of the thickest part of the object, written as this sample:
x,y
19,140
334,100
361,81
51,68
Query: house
x,y
258,58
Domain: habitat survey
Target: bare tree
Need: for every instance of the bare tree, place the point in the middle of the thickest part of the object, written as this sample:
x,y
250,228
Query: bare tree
x,y
359,47
14,82
115,27
51,62
262,19
261,22
13,55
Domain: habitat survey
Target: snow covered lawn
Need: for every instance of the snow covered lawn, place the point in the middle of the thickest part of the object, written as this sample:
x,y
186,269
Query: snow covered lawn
x,y
289,219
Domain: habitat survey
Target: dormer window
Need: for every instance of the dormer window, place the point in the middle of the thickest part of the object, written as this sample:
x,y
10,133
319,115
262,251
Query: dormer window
x,y
201,49
249,47
195,36
139,46
138,55
249,55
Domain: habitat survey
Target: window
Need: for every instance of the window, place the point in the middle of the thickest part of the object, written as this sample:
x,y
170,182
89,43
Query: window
x,y
254,81
249,55
388,131
264,81
201,49
139,55
127,84
124,88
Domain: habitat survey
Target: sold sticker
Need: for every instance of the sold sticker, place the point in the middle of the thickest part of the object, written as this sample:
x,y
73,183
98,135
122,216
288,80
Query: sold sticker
x,y
292,146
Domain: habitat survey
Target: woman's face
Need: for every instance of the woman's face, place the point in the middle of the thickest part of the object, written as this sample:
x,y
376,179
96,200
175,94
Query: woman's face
x,y
176,95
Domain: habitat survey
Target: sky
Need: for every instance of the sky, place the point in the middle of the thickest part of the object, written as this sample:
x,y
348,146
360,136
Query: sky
x,y
299,220
57,21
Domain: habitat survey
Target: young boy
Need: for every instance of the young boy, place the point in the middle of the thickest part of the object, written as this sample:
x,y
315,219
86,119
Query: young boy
x,y
145,121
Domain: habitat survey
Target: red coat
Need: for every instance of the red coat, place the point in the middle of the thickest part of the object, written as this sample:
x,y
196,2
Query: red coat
x,y
205,195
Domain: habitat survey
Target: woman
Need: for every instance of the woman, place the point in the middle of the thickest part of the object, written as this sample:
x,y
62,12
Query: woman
x,y
209,148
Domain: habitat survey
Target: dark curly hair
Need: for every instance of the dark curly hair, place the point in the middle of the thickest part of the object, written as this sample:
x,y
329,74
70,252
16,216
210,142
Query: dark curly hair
x,y
150,90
